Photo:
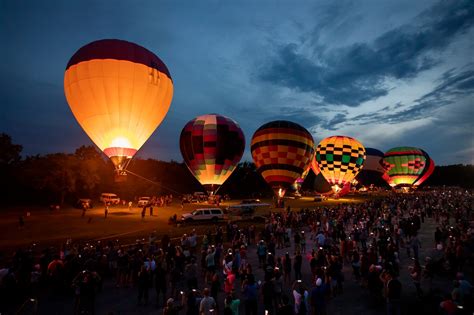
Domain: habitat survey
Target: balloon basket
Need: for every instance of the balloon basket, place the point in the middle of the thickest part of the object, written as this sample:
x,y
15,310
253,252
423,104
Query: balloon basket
x,y
120,177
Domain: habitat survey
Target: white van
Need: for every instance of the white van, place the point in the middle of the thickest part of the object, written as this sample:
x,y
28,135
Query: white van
x,y
109,198
143,201
213,214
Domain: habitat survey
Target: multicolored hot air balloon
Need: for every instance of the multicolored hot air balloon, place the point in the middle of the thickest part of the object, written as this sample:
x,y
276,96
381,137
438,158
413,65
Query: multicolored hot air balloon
x,y
340,158
404,165
119,92
427,171
282,151
212,146
373,168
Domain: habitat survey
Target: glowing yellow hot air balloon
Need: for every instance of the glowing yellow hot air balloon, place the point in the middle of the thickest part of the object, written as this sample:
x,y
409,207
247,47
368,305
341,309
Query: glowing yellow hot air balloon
x,y
340,158
119,93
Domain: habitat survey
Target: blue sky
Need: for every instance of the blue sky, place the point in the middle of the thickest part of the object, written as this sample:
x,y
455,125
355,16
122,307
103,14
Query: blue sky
x,y
389,73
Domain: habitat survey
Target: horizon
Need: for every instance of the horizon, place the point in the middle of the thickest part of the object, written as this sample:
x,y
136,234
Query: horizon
x,y
403,77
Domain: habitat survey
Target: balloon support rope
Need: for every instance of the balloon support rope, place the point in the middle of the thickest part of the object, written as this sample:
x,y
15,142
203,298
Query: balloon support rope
x,y
150,181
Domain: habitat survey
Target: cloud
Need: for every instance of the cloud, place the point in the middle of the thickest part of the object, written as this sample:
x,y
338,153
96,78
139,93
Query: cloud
x,y
356,73
452,86
334,122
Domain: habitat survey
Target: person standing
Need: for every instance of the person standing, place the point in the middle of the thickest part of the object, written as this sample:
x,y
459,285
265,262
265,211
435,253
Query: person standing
x,y
106,211
262,253
143,212
249,291
268,292
160,283
297,265
393,292
287,268
143,284
84,209
415,273
208,304
415,245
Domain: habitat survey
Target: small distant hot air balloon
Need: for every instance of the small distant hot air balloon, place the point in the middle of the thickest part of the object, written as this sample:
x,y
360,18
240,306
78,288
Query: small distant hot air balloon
x,y
373,168
119,92
404,165
340,158
212,146
427,171
282,151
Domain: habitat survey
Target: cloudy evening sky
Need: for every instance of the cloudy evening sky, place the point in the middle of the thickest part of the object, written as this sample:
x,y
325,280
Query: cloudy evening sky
x,y
388,73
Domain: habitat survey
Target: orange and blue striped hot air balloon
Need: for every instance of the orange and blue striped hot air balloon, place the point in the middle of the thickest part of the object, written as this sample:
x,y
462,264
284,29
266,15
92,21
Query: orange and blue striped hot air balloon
x,y
212,146
119,92
282,151
340,159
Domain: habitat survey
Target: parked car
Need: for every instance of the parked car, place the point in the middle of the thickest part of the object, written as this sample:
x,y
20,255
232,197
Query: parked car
x,y
207,214
240,212
81,202
109,198
143,201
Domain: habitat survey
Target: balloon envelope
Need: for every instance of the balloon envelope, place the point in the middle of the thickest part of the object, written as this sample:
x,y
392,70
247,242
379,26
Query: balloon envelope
x,y
404,165
373,169
282,151
340,158
212,146
119,92
314,166
427,171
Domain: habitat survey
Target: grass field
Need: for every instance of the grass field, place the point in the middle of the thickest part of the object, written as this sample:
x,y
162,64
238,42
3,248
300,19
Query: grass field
x,y
46,228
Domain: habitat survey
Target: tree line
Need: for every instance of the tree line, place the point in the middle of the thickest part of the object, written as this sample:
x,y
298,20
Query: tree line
x,y
64,177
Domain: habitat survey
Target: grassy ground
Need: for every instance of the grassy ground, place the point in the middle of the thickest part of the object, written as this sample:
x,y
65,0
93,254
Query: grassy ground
x,y
50,228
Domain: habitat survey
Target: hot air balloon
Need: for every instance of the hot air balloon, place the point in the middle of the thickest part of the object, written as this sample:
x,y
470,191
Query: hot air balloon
x,y
314,166
300,180
322,186
404,165
340,158
373,168
212,146
427,171
119,92
282,151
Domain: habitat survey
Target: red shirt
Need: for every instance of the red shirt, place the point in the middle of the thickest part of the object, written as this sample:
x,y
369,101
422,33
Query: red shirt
x,y
229,283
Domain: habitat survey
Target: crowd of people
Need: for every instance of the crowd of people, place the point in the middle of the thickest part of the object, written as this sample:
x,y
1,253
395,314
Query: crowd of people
x,y
296,263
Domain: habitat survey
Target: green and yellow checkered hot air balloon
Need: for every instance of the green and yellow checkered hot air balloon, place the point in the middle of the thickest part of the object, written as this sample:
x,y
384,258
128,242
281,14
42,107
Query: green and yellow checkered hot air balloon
x,y
340,158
